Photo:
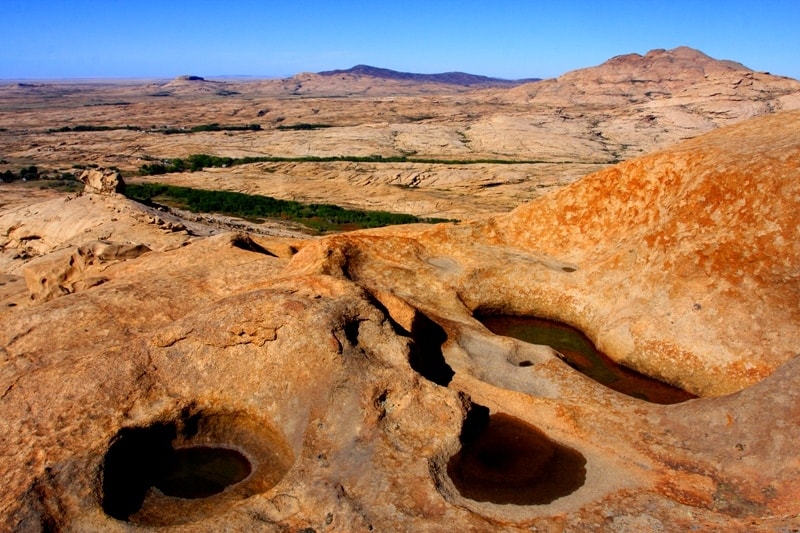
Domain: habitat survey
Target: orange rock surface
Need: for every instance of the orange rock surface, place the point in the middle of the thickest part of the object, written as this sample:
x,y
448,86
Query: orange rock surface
x,y
358,357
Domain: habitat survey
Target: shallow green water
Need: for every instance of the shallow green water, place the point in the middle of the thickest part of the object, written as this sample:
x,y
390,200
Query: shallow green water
x,y
579,352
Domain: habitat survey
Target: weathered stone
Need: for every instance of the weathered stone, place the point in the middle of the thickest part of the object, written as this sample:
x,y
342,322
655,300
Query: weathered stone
x,y
102,181
59,274
358,357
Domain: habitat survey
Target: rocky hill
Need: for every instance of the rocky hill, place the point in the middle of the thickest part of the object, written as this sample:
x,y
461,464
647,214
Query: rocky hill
x,y
634,104
633,78
353,376
448,78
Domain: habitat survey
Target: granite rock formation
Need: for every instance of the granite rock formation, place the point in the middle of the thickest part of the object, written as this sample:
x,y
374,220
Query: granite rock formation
x,y
102,181
351,369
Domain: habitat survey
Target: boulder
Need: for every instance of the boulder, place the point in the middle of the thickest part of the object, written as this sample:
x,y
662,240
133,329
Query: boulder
x,y
102,181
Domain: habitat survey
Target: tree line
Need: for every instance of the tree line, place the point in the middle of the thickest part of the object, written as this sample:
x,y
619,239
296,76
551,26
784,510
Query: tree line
x,y
166,131
200,161
321,217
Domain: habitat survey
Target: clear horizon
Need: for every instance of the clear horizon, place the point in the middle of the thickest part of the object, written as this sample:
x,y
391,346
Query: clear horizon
x,y
90,39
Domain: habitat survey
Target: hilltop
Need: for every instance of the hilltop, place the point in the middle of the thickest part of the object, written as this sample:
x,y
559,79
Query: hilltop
x,y
657,75
447,78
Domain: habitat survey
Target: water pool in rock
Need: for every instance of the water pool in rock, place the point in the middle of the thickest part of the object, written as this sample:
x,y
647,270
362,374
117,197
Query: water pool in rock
x,y
507,461
202,471
579,352
191,467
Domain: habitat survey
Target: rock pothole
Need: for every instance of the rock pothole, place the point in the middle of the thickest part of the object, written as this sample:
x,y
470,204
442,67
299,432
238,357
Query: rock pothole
x,y
202,471
184,470
579,352
504,460
426,355
427,337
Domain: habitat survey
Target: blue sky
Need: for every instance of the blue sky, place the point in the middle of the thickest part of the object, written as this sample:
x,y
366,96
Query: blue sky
x,y
508,39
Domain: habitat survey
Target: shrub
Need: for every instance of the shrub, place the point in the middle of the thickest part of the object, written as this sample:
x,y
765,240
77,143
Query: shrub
x,y
26,173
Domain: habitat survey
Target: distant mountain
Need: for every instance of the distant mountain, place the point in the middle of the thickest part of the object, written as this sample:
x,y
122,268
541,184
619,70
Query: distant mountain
x,y
659,74
449,78
679,66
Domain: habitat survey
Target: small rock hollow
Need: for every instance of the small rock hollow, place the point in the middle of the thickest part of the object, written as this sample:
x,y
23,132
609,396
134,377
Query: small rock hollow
x,y
504,460
141,458
202,471
246,243
426,355
134,463
578,351
176,472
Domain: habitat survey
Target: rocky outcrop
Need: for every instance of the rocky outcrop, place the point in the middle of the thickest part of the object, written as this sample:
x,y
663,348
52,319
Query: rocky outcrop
x,y
657,75
58,274
354,377
669,244
102,181
64,223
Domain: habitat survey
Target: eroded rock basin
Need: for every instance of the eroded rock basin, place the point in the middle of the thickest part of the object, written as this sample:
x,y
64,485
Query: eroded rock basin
x,y
579,352
506,461
191,468
143,458
202,471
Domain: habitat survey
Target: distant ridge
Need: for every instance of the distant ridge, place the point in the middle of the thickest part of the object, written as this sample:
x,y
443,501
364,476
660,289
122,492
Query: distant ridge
x,y
450,78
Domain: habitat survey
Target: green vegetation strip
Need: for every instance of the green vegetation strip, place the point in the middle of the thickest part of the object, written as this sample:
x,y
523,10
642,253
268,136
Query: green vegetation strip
x,y
321,217
303,126
165,131
89,127
214,127
200,161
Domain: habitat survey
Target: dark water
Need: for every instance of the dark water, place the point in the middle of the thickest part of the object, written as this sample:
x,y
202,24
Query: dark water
x,y
140,458
579,352
202,471
507,461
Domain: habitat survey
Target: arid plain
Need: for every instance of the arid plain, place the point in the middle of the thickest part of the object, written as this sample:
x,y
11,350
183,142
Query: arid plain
x,y
557,130
650,201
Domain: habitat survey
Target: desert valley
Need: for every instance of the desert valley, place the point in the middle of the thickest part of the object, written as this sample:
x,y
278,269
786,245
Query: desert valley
x,y
587,321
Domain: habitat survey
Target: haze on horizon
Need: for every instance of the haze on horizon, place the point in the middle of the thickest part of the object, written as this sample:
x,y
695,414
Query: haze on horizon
x,y
52,39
